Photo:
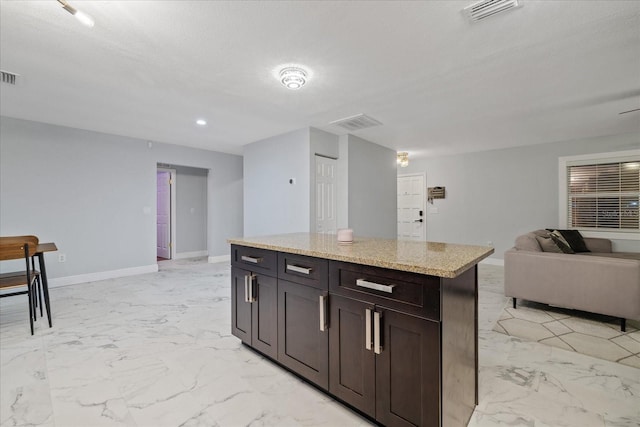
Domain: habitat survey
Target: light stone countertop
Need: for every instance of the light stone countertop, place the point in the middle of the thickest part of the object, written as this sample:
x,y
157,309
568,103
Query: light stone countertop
x,y
436,259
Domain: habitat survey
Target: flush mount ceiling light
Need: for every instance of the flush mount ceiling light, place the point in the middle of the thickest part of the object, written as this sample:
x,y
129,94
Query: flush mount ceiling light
x,y
403,159
80,16
293,77
201,122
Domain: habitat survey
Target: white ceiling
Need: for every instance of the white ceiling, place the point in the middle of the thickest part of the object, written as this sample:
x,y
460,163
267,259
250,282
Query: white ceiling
x,y
548,71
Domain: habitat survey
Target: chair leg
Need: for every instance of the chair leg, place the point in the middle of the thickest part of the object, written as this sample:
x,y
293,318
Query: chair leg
x,y
39,286
31,307
514,302
45,286
623,324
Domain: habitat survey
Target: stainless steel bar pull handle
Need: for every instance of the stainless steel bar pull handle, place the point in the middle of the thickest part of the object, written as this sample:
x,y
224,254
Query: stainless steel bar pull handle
x,y
377,346
367,329
298,269
252,293
373,285
251,259
323,312
246,288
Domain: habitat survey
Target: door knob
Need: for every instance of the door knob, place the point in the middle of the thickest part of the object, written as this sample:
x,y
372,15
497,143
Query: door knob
x,y
418,220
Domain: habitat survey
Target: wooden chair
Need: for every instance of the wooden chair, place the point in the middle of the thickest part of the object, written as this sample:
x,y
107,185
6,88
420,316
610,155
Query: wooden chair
x,y
20,247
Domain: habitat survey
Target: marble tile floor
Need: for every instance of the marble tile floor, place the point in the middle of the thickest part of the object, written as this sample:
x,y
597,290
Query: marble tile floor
x,y
155,350
587,333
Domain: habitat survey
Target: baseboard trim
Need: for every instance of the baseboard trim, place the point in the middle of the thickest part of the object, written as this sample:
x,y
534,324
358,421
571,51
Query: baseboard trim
x,y
219,258
195,254
102,275
493,261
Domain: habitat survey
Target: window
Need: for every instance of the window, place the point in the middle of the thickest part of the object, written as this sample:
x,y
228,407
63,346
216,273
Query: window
x,y
600,193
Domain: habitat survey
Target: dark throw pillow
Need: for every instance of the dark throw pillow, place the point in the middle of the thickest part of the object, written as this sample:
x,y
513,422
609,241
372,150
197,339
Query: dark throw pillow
x,y
561,242
574,239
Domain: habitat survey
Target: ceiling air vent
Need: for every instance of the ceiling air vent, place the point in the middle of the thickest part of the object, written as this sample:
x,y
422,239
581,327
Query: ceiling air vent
x,y
357,122
10,78
486,8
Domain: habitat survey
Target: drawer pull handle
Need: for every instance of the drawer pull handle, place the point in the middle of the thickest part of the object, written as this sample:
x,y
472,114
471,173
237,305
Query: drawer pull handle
x,y
323,313
372,285
377,345
367,329
297,269
251,259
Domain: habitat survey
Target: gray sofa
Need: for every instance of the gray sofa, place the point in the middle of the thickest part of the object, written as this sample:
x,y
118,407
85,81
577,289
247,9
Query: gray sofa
x,y
600,281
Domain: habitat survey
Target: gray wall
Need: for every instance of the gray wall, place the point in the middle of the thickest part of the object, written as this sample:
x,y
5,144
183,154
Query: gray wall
x,y
271,204
372,188
497,195
94,194
366,193
191,209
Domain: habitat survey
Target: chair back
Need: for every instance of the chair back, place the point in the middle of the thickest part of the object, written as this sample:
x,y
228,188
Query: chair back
x,y
13,247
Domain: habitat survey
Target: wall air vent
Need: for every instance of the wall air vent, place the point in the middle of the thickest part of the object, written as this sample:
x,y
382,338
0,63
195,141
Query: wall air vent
x,y
10,78
486,8
357,122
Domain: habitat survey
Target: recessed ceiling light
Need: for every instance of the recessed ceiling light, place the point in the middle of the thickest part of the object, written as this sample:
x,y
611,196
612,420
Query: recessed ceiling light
x,y
201,122
293,77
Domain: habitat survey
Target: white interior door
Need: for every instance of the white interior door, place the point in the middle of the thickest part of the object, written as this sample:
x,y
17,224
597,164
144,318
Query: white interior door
x,y
164,215
411,207
326,211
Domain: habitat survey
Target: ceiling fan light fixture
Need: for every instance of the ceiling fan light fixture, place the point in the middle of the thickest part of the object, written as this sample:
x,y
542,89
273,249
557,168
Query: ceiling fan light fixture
x,y
403,159
80,16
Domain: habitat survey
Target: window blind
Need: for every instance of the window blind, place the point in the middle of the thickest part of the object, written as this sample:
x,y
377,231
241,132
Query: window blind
x,y
604,196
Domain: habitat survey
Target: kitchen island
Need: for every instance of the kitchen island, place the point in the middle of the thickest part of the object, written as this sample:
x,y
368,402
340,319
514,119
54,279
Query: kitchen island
x,y
388,327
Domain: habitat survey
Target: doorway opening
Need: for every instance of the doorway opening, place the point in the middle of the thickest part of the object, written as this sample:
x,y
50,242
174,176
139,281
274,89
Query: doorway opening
x,y
412,207
165,214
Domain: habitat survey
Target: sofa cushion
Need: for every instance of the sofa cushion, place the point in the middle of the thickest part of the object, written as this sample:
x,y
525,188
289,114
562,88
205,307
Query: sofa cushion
x,y
599,245
561,242
621,255
574,239
548,244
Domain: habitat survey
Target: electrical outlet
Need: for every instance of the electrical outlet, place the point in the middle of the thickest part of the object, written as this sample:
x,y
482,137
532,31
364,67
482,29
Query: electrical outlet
x,y
62,257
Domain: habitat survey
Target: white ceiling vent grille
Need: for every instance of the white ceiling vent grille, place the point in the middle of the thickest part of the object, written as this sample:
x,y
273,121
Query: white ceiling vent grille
x,y
10,78
486,8
357,122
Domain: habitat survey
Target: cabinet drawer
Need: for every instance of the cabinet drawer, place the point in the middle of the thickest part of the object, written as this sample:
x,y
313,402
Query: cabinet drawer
x,y
302,269
254,259
407,292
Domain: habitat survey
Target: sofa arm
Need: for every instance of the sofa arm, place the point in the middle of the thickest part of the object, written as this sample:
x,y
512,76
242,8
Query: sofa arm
x,y
585,282
598,245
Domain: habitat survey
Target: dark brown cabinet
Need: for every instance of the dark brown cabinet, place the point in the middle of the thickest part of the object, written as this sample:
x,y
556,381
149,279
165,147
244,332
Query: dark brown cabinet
x,y
254,310
352,365
385,363
303,337
407,371
400,347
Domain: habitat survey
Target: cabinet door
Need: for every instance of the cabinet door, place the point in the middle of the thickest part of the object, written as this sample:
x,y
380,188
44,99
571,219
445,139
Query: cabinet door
x,y
351,365
264,315
302,346
407,371
240,308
